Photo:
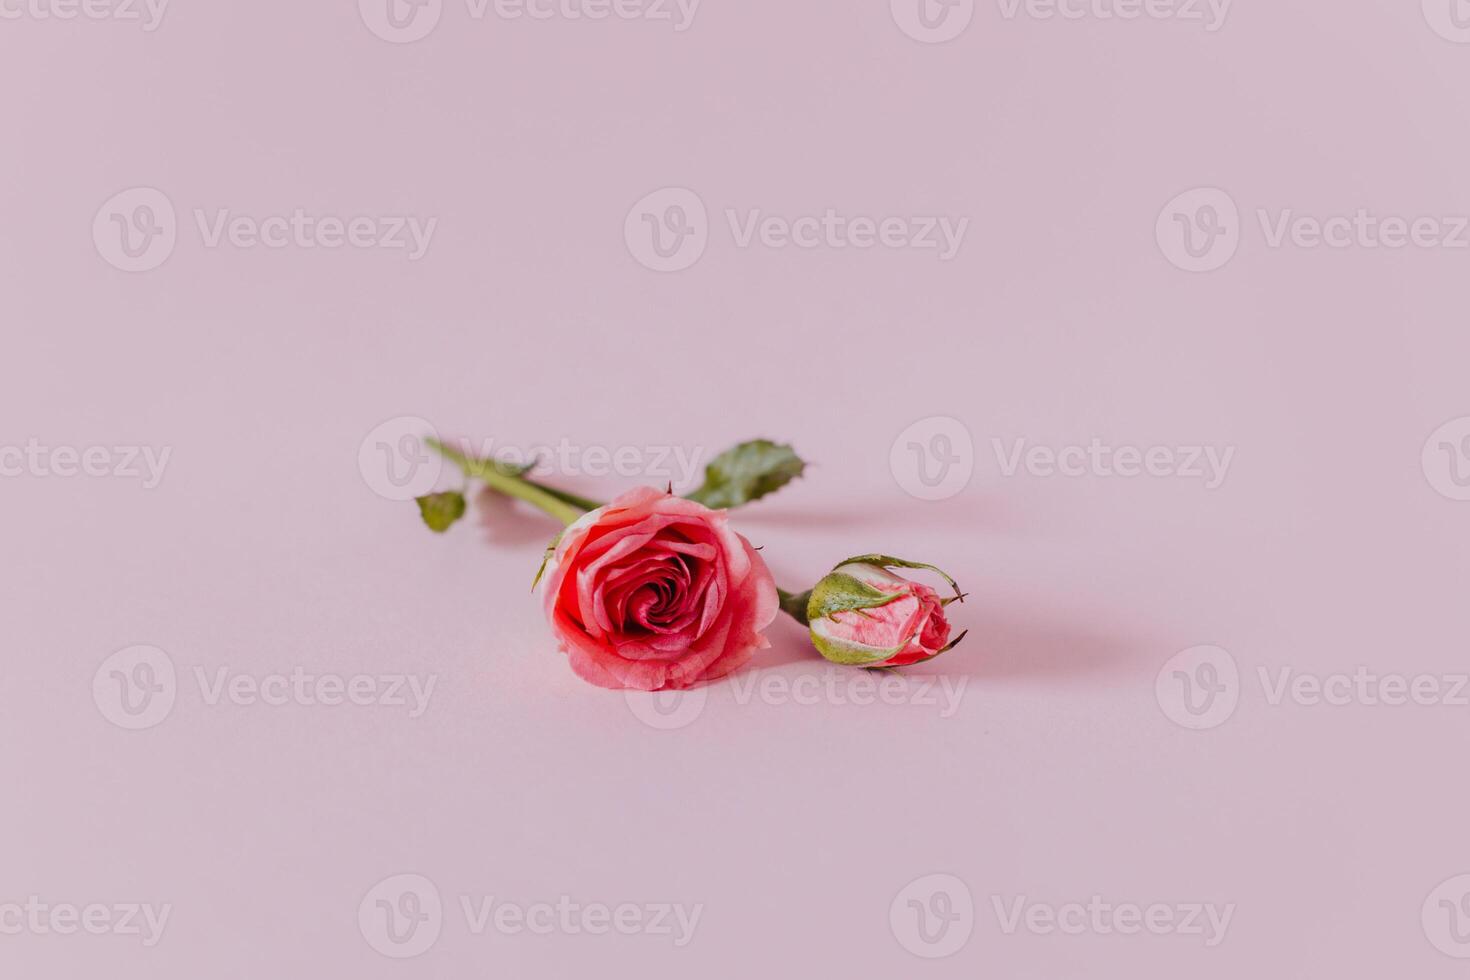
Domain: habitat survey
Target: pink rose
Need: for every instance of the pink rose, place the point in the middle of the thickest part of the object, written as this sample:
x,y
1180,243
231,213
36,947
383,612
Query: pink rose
x,y
864,615
655,592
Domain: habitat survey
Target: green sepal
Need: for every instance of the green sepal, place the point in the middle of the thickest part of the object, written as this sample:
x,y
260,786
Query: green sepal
x,y
840,592
941,651
546,559
888,561
846,654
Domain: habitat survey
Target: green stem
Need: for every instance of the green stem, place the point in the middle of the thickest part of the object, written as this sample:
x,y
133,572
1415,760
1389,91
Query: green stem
x,y
514,486
586,503
794,604
503,478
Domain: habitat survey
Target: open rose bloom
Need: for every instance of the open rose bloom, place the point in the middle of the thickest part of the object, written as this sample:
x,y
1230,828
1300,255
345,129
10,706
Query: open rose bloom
x,y
864,615
655,592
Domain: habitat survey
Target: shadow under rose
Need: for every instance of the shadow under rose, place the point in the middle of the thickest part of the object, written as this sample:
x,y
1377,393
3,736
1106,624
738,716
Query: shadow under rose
x,y
999,647
505,522
898,512
1038,647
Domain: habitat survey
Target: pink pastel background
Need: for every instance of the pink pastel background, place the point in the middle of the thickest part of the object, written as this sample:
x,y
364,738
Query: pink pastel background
x,y
1058,778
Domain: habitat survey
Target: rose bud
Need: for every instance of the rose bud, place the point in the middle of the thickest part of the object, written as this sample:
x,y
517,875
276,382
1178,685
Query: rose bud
x,y
654,592
863,615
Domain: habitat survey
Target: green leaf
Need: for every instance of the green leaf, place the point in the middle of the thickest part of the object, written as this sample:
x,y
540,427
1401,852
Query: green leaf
x,y
441,510
748,472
